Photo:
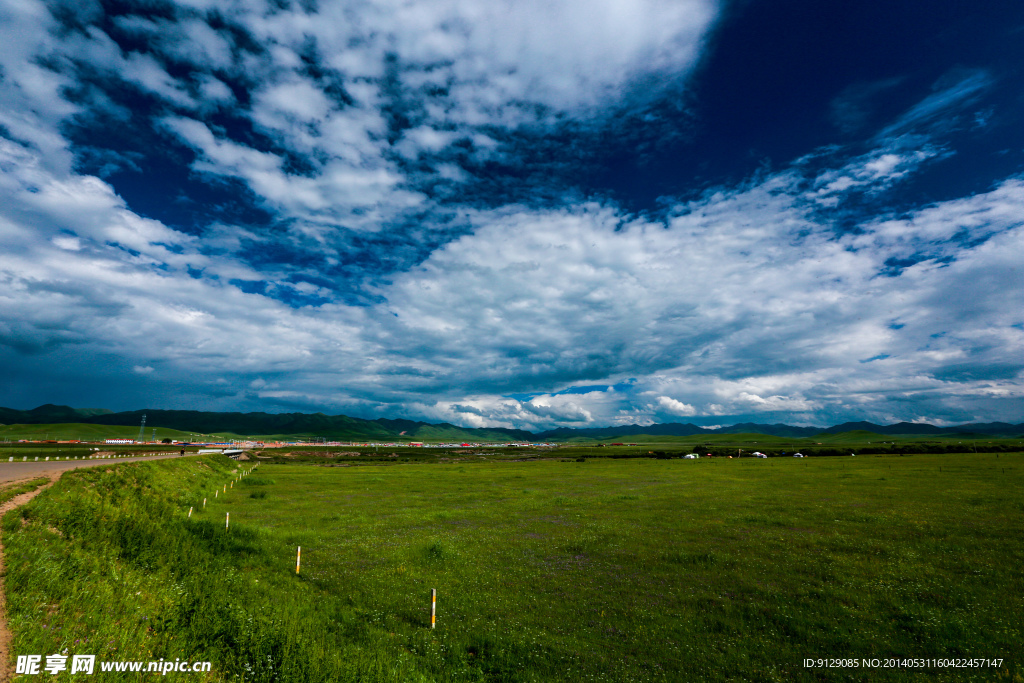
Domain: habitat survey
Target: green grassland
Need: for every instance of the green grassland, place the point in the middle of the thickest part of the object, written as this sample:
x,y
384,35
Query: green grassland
x,y
843,438
92,432
849,441
603,570
83,432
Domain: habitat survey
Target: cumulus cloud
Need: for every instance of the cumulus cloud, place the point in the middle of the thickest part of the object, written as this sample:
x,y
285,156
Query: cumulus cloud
x,y
339,99
538,298
752,300
674,407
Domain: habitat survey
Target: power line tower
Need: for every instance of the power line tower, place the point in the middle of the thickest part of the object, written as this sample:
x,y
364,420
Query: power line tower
x,y
142,429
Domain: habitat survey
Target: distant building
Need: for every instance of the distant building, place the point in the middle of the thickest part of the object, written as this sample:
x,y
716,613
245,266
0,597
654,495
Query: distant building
x,y
120,442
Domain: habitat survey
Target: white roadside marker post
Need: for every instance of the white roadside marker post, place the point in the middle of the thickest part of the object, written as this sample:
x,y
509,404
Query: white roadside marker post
x,y
298,559
227,520
190,513
204,503
433,607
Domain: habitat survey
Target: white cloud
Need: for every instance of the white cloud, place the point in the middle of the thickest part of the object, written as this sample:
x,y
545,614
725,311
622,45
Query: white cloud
x,y
955,89
941,230
875,171
746,301
31,106
552,298
214,90
68,243
776,403
671,405
563,55
323,81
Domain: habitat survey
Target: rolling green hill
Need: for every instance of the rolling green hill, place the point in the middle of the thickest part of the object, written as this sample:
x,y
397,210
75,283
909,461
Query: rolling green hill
x,y
49,414
283,425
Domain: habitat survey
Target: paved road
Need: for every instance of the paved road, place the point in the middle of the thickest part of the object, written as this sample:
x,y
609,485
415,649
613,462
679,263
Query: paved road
x,y
17,470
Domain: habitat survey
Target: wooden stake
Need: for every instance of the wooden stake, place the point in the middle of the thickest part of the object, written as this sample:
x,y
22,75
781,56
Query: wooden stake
x,y
433,607
298,559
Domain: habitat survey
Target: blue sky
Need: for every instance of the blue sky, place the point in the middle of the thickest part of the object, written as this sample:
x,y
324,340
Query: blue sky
x,y
524,214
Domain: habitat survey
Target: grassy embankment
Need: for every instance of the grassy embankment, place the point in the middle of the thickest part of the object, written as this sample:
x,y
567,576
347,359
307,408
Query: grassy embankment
x,y
603,570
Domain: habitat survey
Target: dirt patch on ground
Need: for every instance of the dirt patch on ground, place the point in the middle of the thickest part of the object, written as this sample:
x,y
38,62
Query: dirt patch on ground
x,y
5,634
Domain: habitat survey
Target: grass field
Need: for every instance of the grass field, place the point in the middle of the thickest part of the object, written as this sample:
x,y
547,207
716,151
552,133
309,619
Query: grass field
x,y
850,441
604,570
83,432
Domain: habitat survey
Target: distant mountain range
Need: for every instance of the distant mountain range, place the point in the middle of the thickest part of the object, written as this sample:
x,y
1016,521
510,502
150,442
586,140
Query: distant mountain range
x,y
354,428
242,424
